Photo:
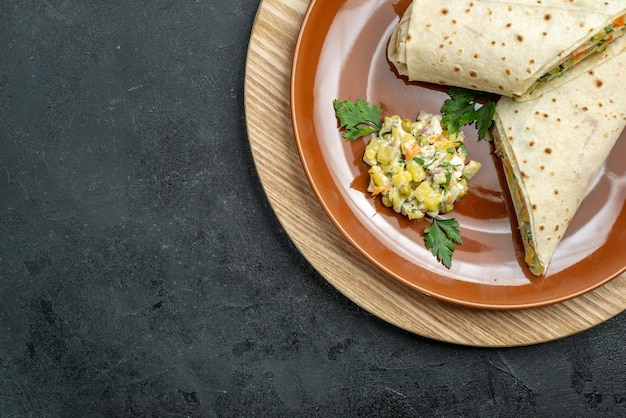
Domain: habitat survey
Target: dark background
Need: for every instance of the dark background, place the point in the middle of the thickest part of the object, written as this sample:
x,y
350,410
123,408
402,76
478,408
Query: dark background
x,y
143,273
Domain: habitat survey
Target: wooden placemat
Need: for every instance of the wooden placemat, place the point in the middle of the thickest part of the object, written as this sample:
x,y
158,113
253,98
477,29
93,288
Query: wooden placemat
x,y
267,103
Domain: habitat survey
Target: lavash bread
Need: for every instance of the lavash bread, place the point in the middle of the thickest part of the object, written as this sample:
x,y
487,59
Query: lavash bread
x,y
555,145
495,46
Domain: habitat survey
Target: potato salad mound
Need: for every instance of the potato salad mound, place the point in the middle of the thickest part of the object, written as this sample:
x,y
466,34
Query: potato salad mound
x,y
417,167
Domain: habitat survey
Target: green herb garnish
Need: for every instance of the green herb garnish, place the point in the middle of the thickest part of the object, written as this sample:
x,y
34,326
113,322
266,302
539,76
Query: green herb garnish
x,y
357,119
440,238
463,108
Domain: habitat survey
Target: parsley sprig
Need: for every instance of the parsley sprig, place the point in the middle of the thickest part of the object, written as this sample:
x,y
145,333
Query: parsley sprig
x,y
357,119
464,108
440,238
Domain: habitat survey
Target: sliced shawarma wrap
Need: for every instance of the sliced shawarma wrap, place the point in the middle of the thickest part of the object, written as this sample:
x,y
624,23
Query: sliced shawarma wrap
x,y
553,147
515,48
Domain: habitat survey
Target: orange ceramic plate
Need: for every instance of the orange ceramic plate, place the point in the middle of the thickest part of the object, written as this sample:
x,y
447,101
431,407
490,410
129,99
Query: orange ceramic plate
x,y
341,54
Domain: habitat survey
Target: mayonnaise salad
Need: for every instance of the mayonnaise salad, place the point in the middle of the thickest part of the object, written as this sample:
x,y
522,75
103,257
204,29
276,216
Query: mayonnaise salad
x,y
417,167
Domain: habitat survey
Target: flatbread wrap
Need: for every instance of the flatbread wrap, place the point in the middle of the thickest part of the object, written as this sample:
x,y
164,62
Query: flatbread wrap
x,y
553,147
514,48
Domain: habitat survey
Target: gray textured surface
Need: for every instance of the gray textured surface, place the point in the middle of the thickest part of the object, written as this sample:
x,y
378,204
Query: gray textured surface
x,y
143,273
